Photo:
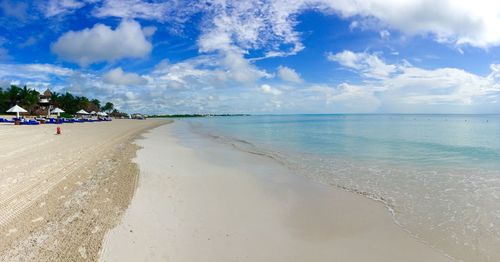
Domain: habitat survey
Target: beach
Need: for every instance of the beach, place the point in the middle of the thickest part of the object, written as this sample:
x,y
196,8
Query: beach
x,y
198,200
59,194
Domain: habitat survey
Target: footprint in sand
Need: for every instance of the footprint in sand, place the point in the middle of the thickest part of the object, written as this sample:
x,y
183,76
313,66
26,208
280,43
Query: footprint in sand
x,y
42,204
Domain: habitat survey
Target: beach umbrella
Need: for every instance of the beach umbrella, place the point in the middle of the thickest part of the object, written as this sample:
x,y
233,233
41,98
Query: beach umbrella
x,y
58,111
17,109
92,113
102,114
82,112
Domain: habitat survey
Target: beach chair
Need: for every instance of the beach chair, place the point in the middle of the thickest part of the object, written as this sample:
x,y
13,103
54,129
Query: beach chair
x,y
30,122
5,120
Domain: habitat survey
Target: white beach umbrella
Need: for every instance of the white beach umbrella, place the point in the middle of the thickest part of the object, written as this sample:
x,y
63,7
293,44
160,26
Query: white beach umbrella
x,y
58,111
102,114
17,109
93,113
82,112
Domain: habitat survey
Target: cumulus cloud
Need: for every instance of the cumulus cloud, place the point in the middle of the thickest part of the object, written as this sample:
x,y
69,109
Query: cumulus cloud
x,y
270,90
102,43
118,77
369,64
289,75
34,75
344,98
405,84
191,73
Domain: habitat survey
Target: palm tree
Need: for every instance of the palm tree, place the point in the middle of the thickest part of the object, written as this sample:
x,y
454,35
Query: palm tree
x,y
13,94
28,98
95,105
108,107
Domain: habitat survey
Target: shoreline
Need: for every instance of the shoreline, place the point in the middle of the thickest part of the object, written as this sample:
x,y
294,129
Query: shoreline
x,y
249,148
62,193
200,201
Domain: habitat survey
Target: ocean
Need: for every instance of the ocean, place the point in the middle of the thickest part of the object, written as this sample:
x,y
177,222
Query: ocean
x,y
439,175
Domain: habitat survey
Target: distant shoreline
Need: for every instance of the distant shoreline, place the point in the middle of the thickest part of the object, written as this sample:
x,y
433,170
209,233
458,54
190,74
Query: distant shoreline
x,y
322,114
193,115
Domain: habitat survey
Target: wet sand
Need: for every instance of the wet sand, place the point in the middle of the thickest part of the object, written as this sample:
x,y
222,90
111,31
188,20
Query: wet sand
x,y
60,194
201,201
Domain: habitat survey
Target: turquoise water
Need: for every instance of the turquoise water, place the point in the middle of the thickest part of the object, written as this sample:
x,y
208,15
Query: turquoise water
x,y
438,174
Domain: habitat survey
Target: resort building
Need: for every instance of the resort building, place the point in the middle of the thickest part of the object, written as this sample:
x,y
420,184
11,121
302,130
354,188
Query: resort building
x,y
44,104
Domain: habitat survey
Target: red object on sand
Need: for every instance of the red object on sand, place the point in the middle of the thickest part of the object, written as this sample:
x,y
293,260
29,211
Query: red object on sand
x,y
58,130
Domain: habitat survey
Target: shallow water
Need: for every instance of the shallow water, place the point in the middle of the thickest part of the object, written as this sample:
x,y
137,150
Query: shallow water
x,y
438,174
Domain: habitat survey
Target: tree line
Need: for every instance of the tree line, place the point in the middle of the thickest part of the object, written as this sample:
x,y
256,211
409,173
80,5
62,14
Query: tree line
x,y
28,99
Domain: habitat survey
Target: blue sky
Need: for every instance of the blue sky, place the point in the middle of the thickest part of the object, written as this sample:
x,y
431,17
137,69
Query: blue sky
x,y
259,57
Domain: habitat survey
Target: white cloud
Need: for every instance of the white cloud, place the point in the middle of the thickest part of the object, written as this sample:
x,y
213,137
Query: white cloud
x,y
270,90
343,98
384,34
457,22
60,7
404,84
161,11
289,75
33,71
240,69
231,57
102,43
189,74
267,25
133,9
118,77
270,24
369,64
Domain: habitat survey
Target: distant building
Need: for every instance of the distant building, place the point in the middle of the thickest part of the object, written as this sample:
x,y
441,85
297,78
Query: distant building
x,y
137,116
45,97
44,105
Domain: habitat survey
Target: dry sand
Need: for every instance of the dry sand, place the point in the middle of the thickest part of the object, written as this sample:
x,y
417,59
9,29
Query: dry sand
x,y
201,201
59,194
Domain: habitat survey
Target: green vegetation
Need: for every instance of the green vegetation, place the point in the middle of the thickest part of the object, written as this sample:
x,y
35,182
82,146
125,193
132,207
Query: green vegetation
x,y
29,99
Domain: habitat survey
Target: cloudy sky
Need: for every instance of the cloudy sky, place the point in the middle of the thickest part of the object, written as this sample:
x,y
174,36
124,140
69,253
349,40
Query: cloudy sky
x,y
259,56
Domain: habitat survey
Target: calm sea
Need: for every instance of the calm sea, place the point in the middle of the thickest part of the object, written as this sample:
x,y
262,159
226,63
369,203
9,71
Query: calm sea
x,y
439,175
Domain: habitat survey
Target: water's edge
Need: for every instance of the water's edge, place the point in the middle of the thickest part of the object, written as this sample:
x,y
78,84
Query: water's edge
x,y
248,147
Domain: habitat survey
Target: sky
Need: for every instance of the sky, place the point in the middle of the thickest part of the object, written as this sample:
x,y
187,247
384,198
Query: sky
x,y
259,56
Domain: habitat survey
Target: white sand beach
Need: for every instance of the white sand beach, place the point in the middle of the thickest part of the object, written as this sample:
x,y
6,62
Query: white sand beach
x,y
59,194
202,201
